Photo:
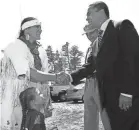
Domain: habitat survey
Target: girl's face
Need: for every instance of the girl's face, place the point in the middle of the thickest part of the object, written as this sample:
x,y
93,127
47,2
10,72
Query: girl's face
x,y
39,98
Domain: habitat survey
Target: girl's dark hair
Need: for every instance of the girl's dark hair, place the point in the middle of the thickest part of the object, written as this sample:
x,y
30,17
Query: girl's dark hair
x,y
21,33
25,97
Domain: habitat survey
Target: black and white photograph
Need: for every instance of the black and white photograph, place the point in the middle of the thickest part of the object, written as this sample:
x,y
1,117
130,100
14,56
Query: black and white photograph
x,y
69,65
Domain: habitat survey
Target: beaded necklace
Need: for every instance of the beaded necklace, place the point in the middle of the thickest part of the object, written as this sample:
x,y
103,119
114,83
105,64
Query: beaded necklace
x,y
34,51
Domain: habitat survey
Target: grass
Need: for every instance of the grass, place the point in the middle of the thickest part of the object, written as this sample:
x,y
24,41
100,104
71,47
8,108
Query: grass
x,y
67,116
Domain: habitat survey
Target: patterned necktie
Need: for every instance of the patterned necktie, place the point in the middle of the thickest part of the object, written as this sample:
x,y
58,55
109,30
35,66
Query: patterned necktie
x,y
100,37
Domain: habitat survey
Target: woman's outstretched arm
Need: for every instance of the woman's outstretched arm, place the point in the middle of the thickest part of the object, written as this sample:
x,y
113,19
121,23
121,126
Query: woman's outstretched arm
x,y
39,76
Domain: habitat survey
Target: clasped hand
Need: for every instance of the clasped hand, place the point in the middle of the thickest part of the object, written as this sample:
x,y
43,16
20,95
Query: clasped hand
x,y
63,77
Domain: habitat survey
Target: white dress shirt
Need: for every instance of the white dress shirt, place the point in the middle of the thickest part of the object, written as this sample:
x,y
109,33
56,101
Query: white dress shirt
x,y
104,26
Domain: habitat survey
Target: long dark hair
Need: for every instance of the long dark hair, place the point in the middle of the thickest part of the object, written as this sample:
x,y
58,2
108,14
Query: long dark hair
x,y
25,97
24,21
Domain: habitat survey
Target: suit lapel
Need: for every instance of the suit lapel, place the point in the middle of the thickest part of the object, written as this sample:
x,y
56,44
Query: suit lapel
x,y
108,50
105,36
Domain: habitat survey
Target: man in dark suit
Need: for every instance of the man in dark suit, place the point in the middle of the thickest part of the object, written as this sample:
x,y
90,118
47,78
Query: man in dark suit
x,y
115,63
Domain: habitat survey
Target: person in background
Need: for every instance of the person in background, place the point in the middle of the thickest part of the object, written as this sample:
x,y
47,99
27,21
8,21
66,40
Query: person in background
x,y
92,105
25,64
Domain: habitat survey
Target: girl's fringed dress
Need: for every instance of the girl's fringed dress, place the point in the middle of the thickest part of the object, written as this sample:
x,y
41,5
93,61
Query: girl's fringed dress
x,y
18,60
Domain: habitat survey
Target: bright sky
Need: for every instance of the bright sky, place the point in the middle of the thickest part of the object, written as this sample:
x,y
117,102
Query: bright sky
x,y
62,20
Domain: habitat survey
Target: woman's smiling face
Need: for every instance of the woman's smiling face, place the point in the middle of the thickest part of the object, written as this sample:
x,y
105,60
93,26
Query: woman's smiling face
x,y
34,32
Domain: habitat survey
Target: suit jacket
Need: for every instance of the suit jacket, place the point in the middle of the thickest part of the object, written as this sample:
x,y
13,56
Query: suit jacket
x,y
116,63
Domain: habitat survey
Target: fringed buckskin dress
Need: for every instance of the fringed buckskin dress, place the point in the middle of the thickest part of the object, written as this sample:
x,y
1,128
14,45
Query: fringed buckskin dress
x,y
18,58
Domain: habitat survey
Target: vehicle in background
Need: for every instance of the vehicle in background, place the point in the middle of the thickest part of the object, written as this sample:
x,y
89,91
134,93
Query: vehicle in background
x,y
76,93
58,92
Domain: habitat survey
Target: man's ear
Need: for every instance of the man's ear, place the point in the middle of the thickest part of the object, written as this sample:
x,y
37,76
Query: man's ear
x,y
102,12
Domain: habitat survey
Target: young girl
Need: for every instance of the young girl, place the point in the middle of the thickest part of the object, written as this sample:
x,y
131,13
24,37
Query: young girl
x,y
32,102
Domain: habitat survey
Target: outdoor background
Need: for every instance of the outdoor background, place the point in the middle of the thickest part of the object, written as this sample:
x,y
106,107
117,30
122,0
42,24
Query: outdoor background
x,y
62,20
62,24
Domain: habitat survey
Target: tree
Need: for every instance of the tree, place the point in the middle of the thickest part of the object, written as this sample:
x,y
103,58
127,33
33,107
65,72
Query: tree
x,y
55,60
57,55
65,49
68,59
51,57
58,62
75,57
59,65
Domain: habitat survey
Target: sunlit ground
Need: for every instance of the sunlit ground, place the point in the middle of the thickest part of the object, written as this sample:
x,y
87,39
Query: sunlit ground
x,y
68,116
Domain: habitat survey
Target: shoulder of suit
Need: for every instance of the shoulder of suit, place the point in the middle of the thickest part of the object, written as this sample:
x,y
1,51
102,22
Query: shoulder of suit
x,y
126,22
123,23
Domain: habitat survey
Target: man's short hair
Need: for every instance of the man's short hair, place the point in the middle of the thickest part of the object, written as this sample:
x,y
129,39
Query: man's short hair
x,y
99,6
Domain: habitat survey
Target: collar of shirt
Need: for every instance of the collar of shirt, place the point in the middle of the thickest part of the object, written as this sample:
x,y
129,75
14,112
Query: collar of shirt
x,y
104,25
91,45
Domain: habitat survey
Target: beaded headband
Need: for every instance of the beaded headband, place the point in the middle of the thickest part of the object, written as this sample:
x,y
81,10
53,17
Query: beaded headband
x,y
30,24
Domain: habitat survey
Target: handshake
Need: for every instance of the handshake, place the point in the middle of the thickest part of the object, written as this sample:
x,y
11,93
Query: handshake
x,y
63,78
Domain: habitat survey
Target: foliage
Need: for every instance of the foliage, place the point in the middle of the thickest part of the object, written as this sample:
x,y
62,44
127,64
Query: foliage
x,y
75,57
67,59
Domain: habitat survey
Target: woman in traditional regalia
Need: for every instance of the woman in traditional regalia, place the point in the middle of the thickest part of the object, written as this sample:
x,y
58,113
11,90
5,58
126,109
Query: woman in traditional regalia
x,y
24,65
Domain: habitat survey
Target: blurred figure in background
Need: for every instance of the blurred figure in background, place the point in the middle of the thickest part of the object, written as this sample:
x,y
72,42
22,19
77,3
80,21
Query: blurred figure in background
x,y
92,104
